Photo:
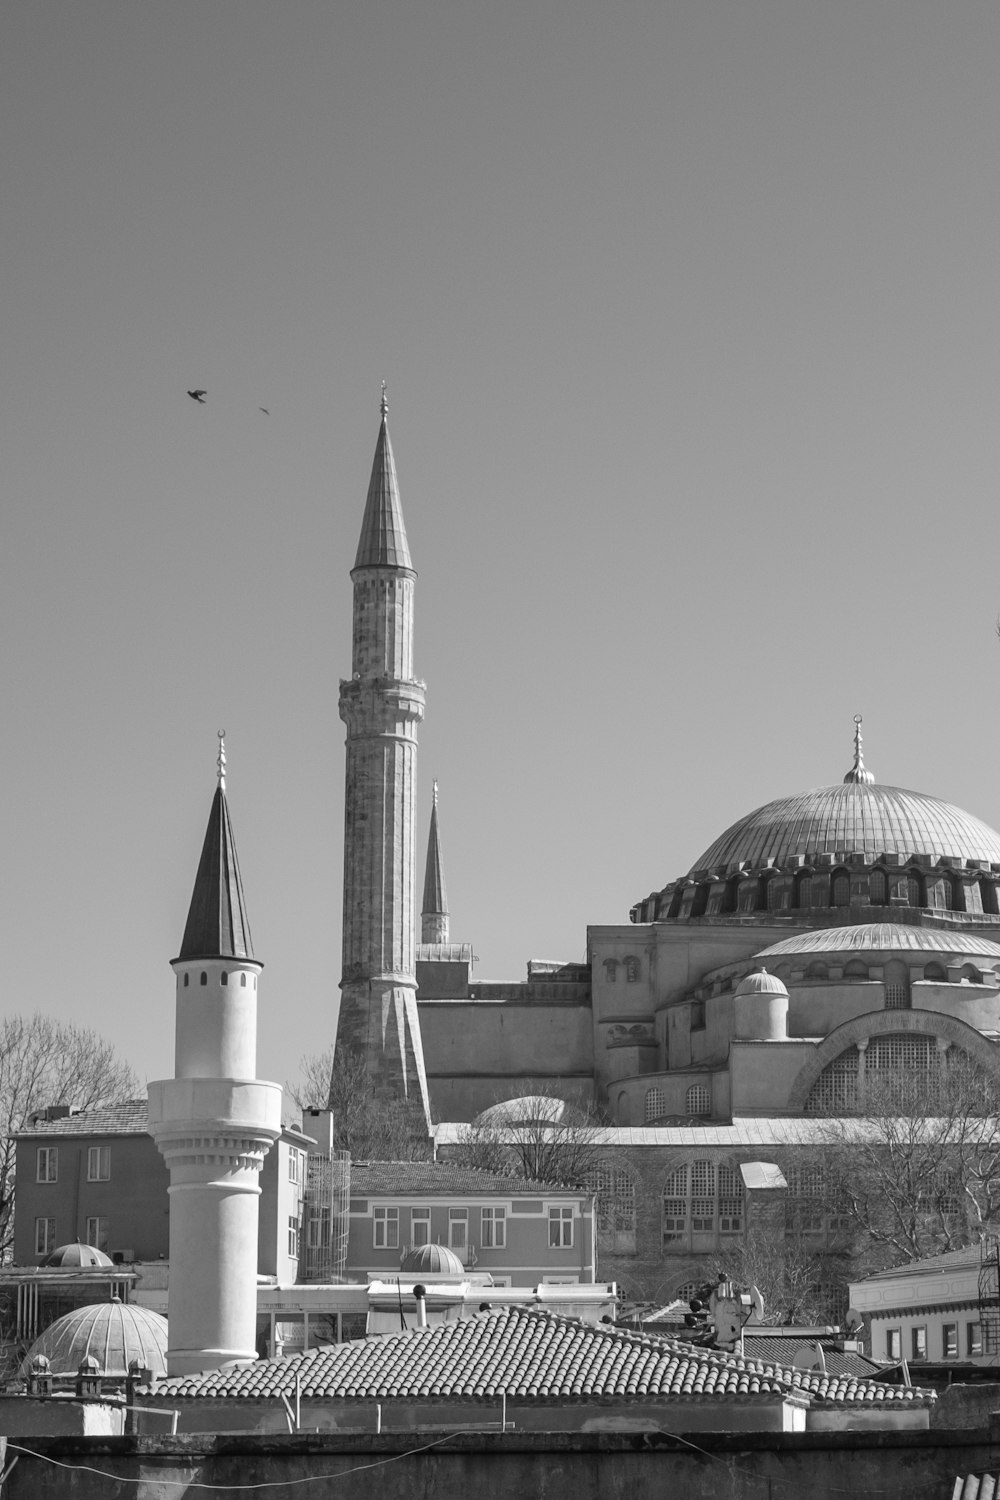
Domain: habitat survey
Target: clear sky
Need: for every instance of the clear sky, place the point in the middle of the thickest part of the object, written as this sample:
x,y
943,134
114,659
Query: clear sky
x,y
689,316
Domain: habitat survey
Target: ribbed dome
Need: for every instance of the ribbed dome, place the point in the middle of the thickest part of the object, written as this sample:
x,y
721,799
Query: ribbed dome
x,y
850,818
114,1333
881,937
760,984
432,1260
77,1255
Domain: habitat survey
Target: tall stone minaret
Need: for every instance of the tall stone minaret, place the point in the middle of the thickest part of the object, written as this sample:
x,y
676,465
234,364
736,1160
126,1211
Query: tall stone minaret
x,y
382,705
214,1121
434,909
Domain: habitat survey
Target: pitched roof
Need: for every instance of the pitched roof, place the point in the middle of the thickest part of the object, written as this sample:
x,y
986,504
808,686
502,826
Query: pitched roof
x,y
383,541
838,1361
129,1118
403,1178
529,1354
217,924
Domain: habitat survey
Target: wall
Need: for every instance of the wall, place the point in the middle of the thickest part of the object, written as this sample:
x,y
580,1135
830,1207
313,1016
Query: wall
x,y
134,1199
551,1466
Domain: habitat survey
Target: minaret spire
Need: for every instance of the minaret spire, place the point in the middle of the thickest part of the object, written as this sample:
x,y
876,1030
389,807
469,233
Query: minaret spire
x,y
382,705
859,772
434,912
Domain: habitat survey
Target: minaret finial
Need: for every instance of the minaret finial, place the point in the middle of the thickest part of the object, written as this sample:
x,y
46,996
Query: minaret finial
x,y
384,403
435,794
858,772
221,762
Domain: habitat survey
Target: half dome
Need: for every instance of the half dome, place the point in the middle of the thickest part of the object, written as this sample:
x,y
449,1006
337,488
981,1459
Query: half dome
x,y
852,818
113,1333
879,937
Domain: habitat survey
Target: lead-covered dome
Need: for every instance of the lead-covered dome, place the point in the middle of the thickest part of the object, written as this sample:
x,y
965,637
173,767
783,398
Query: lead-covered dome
x,y
852,818
114,1333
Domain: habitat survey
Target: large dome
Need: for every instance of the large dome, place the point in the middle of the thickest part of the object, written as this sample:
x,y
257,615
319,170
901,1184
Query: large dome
x,y
115,1333
852,818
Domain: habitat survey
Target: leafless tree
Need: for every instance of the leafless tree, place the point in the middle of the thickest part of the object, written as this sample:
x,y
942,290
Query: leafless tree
x,y
368,1126
43,1062
535,1135
789,1275
916,1170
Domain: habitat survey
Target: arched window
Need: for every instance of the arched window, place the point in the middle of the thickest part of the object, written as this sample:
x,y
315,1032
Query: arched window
x,y
225,977
204,977
841,889
631,969
914,889
623,1112
243,981
187,980
803,891
897,985
817,970
698,1100
835,1091
878,893
614,1191
856,969
701,1204
656,1104
972,974
937,972
611,969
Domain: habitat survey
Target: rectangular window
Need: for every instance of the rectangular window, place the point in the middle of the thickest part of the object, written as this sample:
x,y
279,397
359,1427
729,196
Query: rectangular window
x,y
973,1339
318,1229
561,1228
675,1222
458,1228
949,1341
98,1233
420,1226
494,1228
293,1235
98,1166
45,1236
47,1164
893,1344
294,1166
919,1343
386,1236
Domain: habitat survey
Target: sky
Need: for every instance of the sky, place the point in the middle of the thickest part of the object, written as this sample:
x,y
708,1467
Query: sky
x,y
688,313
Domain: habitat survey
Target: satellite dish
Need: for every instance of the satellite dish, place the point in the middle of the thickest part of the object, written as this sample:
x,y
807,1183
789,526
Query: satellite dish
x,y
757,1303
810,1356
854,1322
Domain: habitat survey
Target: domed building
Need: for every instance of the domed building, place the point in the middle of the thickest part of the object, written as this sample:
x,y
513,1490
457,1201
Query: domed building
x,y
113,1333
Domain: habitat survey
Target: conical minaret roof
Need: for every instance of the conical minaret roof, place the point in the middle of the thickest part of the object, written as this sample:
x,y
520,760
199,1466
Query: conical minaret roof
x,y
383,541
435,902
217,923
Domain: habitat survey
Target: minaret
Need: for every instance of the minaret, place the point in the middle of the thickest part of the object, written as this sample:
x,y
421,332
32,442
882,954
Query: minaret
x,y
214,1121
382,705
434,912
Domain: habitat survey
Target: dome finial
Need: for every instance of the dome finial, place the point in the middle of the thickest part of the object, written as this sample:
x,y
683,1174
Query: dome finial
x,y
221,762
384,403
435,794
858,773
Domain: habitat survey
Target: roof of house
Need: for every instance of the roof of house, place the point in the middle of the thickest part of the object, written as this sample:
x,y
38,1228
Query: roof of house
x,y
968,1257
526,1353
129,1118
398,1178
842,1362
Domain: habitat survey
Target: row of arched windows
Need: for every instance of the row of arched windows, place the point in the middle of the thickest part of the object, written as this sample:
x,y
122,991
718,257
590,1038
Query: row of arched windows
x,y
697,1102
924,889
224,978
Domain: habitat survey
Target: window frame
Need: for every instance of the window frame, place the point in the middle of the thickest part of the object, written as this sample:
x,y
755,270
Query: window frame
x,y
385,1227
949,1341
50,1156
493,1227
96,1236
45,1237
421,1216
894,1343
458,1229
102,1155
974,1342
561,1226
918,1343
294,1243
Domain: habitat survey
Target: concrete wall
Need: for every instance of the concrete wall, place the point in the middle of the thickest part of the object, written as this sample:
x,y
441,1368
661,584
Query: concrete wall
x,y
134,1199
552,1466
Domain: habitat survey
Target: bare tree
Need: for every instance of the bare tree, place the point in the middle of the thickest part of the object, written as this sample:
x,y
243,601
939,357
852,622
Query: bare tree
x,y
789,1276
45,1062
365,1124
916,1170
535,1135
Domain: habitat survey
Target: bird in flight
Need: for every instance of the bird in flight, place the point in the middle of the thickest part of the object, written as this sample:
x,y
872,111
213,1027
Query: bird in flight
x,y
198,396
264,410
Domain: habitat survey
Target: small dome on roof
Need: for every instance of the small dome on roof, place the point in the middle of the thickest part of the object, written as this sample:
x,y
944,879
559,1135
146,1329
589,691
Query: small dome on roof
x,y
761,983
432,1260
113,1333
77,1255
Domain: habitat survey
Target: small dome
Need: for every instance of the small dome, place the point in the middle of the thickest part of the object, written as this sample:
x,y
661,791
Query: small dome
x,y
530,1109
432,1260
761,983
114,1333
77,1255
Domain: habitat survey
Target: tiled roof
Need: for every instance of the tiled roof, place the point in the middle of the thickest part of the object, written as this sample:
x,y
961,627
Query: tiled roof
x,y
529,1354
405,1178
130,1118
838,1361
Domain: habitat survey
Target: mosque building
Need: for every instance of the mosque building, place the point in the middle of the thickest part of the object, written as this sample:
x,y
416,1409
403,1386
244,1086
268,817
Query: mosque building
x,y
825,939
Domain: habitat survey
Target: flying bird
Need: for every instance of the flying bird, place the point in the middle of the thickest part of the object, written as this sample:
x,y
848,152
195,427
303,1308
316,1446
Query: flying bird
x,y
198,396
264,410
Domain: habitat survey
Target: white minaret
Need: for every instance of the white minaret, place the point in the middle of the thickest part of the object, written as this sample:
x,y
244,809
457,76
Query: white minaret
x,y
382,705
214,1122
